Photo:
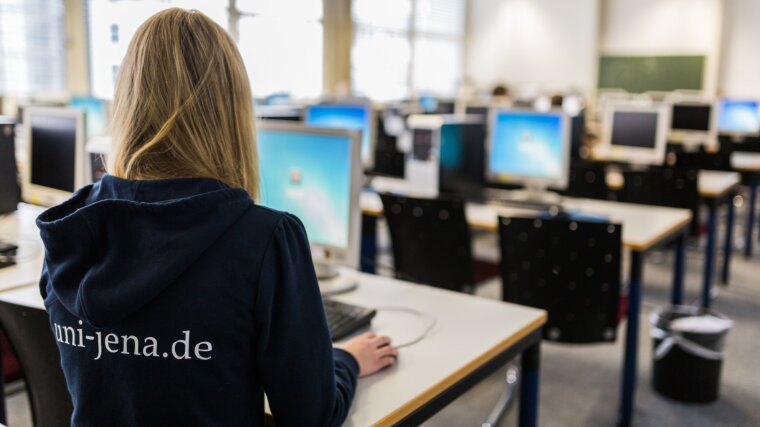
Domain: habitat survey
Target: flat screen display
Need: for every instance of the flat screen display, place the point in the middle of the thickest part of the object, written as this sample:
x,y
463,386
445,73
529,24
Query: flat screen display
x,y
53,151
309,176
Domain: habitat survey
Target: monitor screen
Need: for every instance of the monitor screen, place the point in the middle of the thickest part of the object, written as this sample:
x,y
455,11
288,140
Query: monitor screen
x,y
351,117
527,144
634,129
739,116
691,117
53,151
308,175
95,114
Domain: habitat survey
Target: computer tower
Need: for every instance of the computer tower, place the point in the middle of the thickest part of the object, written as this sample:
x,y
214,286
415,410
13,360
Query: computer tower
x,y
10,192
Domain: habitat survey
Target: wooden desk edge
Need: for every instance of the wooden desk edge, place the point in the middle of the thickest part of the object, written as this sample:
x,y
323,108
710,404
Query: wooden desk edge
x,y
428,395
660,237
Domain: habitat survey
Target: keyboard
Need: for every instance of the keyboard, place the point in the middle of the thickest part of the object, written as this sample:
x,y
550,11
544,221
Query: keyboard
x,y
345,319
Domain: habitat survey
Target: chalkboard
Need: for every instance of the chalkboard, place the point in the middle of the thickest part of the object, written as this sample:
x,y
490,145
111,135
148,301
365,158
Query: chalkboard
x,y
638,74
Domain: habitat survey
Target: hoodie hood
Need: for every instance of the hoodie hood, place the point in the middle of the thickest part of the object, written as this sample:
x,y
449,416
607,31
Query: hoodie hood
x,y
116,245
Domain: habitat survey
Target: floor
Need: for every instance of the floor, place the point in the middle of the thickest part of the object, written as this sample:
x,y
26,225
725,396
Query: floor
x,y
580,384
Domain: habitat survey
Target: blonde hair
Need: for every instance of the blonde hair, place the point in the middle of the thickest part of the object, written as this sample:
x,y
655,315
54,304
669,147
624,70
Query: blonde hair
x,y
183,105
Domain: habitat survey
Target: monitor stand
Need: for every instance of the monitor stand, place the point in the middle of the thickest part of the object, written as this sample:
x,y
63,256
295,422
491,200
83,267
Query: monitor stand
x,y
333,281
532,197
535,194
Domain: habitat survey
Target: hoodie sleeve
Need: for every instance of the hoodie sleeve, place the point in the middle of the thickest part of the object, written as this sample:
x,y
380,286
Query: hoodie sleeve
x,y
306,381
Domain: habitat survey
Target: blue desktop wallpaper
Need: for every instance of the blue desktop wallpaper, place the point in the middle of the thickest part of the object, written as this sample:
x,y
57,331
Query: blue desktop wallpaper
x,y
741,116
351,117
527,144
309,176
95,114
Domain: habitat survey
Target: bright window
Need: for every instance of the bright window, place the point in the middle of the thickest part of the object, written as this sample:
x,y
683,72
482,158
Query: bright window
x,y
112,25
281,42
32,50
401,47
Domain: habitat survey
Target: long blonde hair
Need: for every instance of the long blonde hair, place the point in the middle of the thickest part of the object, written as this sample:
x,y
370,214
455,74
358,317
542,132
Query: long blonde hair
x,y
183,105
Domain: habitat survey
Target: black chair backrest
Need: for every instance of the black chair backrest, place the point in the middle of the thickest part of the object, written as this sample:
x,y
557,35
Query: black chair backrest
x,y
587,180
10,192
29,333
663,186
569,268
431,241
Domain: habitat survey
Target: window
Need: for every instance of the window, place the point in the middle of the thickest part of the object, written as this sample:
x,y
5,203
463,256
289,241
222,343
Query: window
x,y
32,50
281,42
112,25
402,47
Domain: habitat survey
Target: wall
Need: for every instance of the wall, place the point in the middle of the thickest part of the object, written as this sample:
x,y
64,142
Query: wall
x,y
740,68
550,43
651,27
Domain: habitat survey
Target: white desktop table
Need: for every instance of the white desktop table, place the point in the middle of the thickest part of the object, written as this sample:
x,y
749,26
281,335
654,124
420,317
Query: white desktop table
x,y
20,228
644,227
748,164
715,188
472,337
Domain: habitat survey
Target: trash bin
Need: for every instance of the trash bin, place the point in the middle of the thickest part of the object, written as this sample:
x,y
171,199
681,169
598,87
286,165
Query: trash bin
x,y
688,352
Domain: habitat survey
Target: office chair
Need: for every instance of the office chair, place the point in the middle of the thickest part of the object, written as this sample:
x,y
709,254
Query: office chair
x,y
587,180
430,239
569,268
29,333
665,186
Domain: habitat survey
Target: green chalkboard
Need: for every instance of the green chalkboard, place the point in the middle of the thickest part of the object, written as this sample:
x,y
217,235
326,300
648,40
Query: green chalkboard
x,y
638,74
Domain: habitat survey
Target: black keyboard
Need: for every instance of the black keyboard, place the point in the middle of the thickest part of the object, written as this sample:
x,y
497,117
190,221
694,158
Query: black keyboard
x,y
345,319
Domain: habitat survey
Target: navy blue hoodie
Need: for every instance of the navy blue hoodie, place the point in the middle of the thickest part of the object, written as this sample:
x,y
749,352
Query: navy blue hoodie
x,y
180,302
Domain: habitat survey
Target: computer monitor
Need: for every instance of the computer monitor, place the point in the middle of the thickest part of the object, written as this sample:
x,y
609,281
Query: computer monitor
x,y
315,174
346,116
739,117
692,121
529,148
96,115
55,154
10,194
636,134
462,157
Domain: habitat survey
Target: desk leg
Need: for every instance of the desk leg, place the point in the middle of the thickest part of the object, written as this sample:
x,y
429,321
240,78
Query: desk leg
x,y
368,249
707,278
750,219
728,245
676,297
628,388
529,380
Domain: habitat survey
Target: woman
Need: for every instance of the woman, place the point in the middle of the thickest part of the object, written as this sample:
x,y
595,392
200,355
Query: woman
x,y
174,299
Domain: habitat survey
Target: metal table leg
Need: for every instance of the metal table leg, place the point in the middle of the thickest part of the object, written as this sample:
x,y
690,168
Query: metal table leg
x,y
628,387
709,260
728,246
530,374
748,242
676,296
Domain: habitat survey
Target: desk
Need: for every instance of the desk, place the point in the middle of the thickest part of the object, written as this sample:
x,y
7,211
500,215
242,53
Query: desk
x,y
429,375
715,188
749,165
446,363
644,227
20,228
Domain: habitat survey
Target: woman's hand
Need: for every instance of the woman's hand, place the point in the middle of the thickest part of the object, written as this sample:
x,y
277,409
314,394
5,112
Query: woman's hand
x,y
372,352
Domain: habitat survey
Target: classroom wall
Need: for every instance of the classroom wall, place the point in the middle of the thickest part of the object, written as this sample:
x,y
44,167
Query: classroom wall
x,y
740,68
666,27
550,43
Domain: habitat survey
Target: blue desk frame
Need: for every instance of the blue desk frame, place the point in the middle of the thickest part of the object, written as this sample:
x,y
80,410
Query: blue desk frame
x,y
635,286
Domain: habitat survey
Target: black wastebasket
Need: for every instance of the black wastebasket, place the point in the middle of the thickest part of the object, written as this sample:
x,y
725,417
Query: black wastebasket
x,y
688,352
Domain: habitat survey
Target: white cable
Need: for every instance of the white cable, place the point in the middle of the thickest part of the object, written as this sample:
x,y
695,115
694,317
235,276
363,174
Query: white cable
x,y
432,322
